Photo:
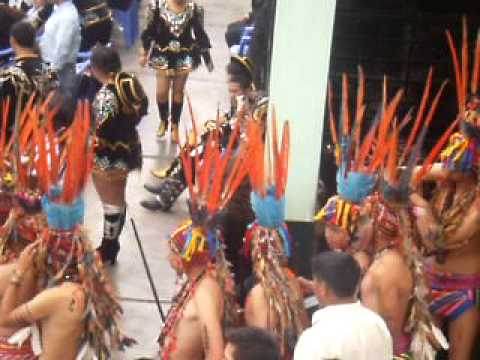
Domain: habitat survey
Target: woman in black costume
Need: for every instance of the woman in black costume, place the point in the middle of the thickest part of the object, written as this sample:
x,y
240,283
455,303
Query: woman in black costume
x,y
28,75
173,43
118,108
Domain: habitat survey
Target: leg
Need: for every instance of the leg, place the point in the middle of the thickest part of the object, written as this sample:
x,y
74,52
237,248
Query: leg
x,y
178,88
112,195
463,333
163,90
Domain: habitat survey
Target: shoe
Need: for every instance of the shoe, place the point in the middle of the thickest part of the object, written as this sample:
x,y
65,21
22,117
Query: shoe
x,y
108,251
175,137
153,205
160,173
162,129
153,189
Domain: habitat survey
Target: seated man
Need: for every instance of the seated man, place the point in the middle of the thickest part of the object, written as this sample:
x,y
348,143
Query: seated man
x,y
344,328
250,343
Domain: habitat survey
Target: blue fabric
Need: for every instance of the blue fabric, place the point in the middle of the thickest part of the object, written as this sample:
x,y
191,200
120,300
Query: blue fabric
x,y
129,22
355,186
63,216
270,212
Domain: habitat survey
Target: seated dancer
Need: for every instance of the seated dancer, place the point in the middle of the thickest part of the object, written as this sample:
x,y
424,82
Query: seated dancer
x,y
275,302
118,108
204,305
173,43
76,313
27,76
379,234
239,72
454,271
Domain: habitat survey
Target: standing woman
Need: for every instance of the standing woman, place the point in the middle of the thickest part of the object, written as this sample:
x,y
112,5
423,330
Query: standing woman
x,y
173,43
118,108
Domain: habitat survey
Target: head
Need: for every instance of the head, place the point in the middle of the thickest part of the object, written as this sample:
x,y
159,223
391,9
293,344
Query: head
x,y
22,37
239,72
337,237
105,63
250,343
336,277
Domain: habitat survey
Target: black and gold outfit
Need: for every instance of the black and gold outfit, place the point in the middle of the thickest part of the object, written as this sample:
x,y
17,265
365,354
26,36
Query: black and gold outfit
x,y
96,21
118,109
28,75
174,42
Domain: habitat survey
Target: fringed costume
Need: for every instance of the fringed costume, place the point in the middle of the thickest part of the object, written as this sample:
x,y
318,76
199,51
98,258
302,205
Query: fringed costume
x,y
65,253
117,109
267,239
211,186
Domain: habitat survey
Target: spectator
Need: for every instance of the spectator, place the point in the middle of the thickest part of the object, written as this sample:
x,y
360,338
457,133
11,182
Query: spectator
x,y
250,343
59,45
344,328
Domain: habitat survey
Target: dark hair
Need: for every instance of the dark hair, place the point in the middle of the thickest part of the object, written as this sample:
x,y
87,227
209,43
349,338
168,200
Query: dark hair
x,y
105,59
339,270
239,74
24,34
251,343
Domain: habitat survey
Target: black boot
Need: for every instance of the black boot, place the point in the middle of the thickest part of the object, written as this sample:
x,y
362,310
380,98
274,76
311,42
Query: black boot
x,y
163,111
114,220
175,118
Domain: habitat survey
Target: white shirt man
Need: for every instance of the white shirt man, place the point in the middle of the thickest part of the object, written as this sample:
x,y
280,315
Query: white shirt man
x,y
344,329
345,332
61,39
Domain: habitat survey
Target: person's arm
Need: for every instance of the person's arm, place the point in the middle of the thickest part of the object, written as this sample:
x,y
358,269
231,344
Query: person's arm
x,y
148,34
201,37
14,314
469,226
428,227
66,34
256,308
208,301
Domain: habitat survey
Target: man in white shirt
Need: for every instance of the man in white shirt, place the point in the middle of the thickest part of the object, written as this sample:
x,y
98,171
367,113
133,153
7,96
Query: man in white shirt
x,y
344,329
59,45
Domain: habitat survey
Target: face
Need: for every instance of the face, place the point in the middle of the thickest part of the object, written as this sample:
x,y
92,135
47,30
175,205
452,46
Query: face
x,y
472,115
229,352
234,88
337,238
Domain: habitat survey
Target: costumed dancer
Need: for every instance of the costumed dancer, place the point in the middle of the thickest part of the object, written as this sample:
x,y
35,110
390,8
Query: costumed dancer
x,y
28,77
356,176
204,305
173,43
76,314
118,108
454,273
96,22
401,229
239,73
275,303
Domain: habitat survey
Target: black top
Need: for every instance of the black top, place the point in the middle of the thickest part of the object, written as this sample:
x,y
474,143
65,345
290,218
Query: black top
x,y
164,26
26,76
117,144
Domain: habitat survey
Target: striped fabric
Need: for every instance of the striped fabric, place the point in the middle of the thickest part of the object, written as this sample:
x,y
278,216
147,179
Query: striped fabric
x,y
13,352
453,294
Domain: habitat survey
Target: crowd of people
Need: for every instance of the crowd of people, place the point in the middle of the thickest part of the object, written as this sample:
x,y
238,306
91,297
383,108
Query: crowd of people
x,y
403,266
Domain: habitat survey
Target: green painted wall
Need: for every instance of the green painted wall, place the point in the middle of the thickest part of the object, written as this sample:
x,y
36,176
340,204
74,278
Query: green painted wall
x,y
298,84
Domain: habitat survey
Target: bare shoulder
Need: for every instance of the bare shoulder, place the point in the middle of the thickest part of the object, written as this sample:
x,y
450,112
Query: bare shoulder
x,y
208,290
255,296
389,270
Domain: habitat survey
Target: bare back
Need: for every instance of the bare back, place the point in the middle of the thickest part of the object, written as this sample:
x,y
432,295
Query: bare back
x,y
63,329
198,334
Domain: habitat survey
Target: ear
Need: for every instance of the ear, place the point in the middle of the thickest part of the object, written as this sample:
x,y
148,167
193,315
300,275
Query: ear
x,y
320,289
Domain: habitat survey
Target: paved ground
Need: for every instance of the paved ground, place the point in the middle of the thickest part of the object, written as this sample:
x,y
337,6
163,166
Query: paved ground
x,y
207,91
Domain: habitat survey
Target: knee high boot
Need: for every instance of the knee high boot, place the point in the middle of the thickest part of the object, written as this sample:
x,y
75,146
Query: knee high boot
x,y
163,111
176,114
114,220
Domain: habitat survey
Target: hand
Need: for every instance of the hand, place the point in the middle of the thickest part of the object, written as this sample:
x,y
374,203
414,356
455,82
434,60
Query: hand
x,y
210,66
142,60
25,261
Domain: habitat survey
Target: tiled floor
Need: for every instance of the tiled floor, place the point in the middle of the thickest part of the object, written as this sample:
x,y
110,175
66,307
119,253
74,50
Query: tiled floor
x,y
207,91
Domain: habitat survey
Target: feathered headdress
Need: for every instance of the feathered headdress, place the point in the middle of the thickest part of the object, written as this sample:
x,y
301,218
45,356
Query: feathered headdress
x,y
63,165
212,178
358,161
